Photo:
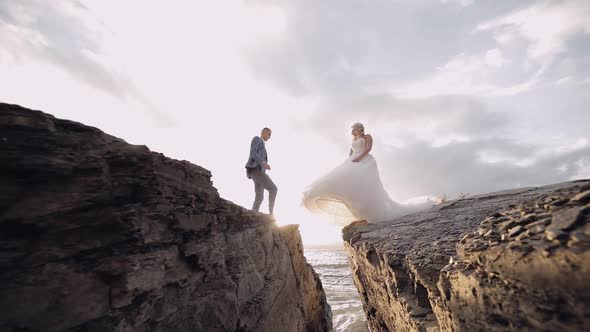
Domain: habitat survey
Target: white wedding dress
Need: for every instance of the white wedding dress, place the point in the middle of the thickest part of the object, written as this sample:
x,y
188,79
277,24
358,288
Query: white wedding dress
x,y
352,191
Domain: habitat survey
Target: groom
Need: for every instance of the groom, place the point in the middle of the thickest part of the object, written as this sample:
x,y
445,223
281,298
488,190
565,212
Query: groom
x,y
256,168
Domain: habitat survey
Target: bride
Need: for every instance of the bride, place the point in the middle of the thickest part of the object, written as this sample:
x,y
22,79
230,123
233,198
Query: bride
x,y
353,190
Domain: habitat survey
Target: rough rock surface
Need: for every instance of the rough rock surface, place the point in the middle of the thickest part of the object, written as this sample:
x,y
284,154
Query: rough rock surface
x,y
513,260
100,235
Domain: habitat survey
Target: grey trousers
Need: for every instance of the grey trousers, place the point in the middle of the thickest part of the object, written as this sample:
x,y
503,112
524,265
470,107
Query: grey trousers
x,y
262,181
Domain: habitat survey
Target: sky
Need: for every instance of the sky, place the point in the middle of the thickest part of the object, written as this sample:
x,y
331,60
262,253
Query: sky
x,y
461,96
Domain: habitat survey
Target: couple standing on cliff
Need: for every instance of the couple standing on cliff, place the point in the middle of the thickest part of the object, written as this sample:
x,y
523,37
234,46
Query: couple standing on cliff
x,y
351,191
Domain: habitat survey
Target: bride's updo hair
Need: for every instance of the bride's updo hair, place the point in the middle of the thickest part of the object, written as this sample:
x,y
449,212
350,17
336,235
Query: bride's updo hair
x,y
359,126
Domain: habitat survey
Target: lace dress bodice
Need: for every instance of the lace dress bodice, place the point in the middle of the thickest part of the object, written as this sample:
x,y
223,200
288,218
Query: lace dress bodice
x,y
358,146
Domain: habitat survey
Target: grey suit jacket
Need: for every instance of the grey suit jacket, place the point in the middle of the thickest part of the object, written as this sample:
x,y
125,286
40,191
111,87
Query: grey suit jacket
x,y
257,155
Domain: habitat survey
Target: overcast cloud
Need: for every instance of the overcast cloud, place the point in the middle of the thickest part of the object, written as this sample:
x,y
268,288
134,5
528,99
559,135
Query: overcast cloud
x,y
464,96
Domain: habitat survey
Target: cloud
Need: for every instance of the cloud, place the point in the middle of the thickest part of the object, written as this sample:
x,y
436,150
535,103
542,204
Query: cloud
x,y
582,169
468,75
417,49
67,35
494,58
528,44
64,34
458,2
453,144
419,168
546,27
455,105
444,145
433,120
340,47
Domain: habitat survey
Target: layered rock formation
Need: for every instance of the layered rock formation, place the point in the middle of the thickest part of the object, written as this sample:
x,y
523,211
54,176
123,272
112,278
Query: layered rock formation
x,y
515,260
100,235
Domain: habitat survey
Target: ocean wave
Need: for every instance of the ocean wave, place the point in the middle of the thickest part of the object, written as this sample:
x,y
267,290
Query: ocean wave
x,y
349,323
331,266
334,271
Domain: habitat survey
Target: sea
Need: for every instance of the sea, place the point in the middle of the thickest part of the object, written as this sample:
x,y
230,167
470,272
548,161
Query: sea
x,y
332,266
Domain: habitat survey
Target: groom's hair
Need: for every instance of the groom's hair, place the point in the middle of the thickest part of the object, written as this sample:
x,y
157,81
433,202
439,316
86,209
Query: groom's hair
x,y
266,129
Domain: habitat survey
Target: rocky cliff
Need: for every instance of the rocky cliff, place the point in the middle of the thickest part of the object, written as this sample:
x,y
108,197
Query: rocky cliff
x,y
516,260
100,235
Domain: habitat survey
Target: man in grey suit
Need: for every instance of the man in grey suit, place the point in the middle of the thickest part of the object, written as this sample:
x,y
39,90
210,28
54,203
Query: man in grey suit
x,y
256,168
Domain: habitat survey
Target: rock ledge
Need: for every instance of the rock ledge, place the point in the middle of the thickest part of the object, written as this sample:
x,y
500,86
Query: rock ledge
x,y
511,260
100,235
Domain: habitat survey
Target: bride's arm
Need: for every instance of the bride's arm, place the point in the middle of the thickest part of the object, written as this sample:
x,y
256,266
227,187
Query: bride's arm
x,y
368,147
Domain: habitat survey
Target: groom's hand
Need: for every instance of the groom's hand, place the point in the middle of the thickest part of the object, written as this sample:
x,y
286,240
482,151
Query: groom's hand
x,y
265,166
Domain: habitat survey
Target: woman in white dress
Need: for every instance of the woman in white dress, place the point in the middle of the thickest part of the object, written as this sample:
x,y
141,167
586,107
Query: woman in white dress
x,y
353,190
